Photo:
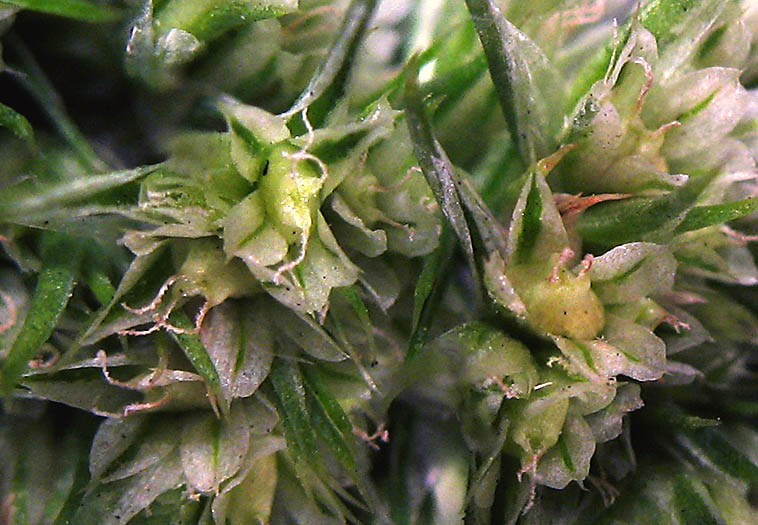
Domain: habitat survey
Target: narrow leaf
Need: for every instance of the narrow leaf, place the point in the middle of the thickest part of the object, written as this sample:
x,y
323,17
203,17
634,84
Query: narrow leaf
x,y
654,219
55,283
704,216
308,334
430,274
689,502
16,122
290,392
20,202
195,350
429,286
76,490
359,307
100,285
707,444
76,9
329,82
138,272
674,417
437,168
526,83
334,427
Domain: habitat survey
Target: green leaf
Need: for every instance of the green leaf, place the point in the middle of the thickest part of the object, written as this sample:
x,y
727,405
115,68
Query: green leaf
x,y
195,350
113,438
16,122
351,295
674,417
455,84
528,86
634,219
536,232
570,458
290,393
437,168
315,383
170,508
334,427
100,285
709,446
23,203
630,272
429,287
487,352
680,26
661,17
76,9
248,496
329,83
689,502
307,334
142,269
704,216
80,477
55,283
155,441
42,468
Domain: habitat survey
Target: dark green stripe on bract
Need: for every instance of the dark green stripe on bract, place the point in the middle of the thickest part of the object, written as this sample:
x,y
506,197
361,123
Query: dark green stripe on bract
x,y
531,224
252,144
429,287
697,108
333,150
